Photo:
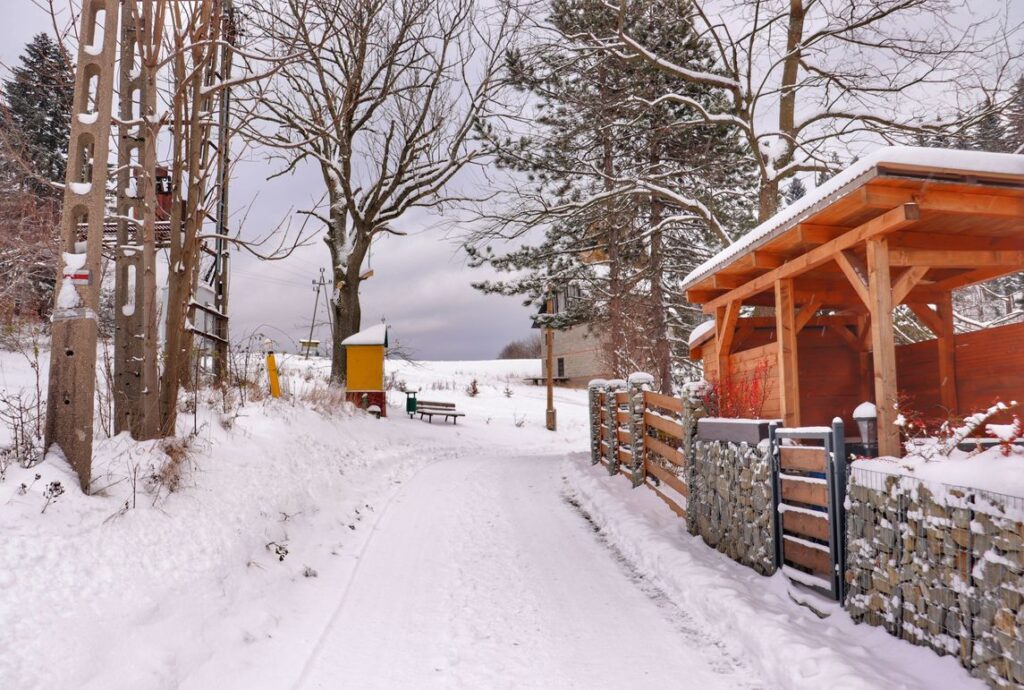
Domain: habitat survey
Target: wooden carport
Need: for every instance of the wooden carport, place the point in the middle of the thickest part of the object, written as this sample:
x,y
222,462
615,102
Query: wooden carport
x,y
903,226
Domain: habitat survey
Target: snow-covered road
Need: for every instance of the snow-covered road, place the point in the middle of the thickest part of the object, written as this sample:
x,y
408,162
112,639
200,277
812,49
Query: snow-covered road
x,y
480,574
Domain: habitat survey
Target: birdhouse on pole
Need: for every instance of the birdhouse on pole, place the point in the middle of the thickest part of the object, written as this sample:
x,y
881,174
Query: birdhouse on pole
x,y
364,371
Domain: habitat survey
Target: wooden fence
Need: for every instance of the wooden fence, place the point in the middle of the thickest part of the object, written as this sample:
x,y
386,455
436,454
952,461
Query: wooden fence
x,y
640,436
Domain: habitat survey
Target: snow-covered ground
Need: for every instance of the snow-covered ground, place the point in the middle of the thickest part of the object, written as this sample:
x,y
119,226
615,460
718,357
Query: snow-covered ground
x,y
313,550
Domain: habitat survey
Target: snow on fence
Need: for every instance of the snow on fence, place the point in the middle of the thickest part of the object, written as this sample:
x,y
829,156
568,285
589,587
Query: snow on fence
x,y
940,566
639,433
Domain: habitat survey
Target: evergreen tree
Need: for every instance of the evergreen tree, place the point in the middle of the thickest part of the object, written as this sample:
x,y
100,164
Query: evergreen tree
x,y
988,133
36,120
795,190
1015,117
615,181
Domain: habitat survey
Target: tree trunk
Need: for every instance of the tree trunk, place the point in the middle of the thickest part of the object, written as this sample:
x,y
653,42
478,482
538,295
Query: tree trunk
x,y
769,193
346,261
662,347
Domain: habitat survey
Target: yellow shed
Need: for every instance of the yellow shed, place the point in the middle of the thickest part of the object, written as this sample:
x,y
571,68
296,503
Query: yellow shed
x,y
364,372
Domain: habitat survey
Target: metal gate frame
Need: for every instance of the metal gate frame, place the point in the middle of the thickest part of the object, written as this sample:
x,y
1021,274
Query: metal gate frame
x,y
834,442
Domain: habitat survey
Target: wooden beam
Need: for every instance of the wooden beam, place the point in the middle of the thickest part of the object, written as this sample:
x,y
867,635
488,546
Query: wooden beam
x,y
807,312
949,202
889,221
725,332
938,241
906,282
723,281
855,271
809,233
966,278
765,260
947,355
700,296
867,386
927,316
786,330
883,345
853,341
943,258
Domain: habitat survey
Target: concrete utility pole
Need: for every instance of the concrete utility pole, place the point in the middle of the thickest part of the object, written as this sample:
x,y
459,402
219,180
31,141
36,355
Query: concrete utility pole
x,y
72,384
549,342
136,370
220,271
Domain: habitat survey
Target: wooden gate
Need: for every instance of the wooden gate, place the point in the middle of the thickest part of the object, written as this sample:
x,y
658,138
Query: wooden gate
x,y
809,490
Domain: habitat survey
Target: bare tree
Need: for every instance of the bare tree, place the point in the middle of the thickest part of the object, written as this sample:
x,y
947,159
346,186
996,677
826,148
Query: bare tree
x,y
385,100
802,76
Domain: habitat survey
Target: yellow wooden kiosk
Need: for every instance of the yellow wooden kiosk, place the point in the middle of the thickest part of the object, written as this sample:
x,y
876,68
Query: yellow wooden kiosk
x,y
364,371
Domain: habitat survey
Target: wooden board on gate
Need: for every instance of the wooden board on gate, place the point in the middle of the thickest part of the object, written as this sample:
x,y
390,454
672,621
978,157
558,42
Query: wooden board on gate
x,y
623,437
625,457
622,398
802,458
665,402
806,525
622,417
667,477
664,450
794,490
666,426
816,560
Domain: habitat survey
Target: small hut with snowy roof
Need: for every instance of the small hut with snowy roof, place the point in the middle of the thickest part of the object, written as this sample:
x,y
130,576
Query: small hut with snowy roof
x,y
364,368
904,226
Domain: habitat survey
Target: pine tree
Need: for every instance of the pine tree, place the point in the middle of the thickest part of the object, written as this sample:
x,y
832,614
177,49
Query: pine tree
x,y
596,137
988,134
1015,117
795,190
36,121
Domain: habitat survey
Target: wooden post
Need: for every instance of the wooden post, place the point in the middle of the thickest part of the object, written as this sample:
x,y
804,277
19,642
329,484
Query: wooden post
x,y
947,354
786,331
72,383
883,345
549,342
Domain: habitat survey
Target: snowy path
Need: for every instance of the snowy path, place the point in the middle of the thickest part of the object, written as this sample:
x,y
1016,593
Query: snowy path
x,y
481,574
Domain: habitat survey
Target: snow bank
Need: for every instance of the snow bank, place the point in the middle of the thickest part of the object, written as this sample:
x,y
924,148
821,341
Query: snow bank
x,y
188,590
760,616
988,470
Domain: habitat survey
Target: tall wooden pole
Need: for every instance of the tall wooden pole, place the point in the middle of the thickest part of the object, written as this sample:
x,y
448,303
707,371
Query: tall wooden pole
x,y
789,364
883,345
72,383
549,342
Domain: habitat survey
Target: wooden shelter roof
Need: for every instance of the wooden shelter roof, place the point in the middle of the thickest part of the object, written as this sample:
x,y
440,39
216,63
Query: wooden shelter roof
x,y
953,218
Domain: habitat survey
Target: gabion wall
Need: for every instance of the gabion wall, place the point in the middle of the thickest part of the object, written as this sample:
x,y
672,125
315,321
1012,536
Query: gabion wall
x,y
942,567
730,503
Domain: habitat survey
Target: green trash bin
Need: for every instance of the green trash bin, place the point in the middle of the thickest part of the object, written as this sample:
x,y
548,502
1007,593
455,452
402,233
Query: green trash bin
x,y
410,402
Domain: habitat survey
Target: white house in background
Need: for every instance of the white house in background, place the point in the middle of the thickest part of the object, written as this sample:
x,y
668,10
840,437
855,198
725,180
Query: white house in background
x,y
578,352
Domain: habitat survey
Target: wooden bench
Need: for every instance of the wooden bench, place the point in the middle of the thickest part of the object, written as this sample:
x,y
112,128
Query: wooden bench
x,y
538,380
429,408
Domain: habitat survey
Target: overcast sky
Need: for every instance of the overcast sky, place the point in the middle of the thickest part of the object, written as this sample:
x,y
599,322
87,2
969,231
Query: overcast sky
x,y
421,283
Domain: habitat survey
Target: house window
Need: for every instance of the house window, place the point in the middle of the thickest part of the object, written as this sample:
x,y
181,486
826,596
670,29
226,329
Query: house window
x,y
561,367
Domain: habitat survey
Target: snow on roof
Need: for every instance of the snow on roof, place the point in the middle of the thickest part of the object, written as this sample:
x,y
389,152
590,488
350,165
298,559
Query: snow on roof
x,y
700,333
374,335
906,156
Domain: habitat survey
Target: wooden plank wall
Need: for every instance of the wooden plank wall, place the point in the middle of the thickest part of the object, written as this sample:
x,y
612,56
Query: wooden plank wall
x,y
829,375
989,365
